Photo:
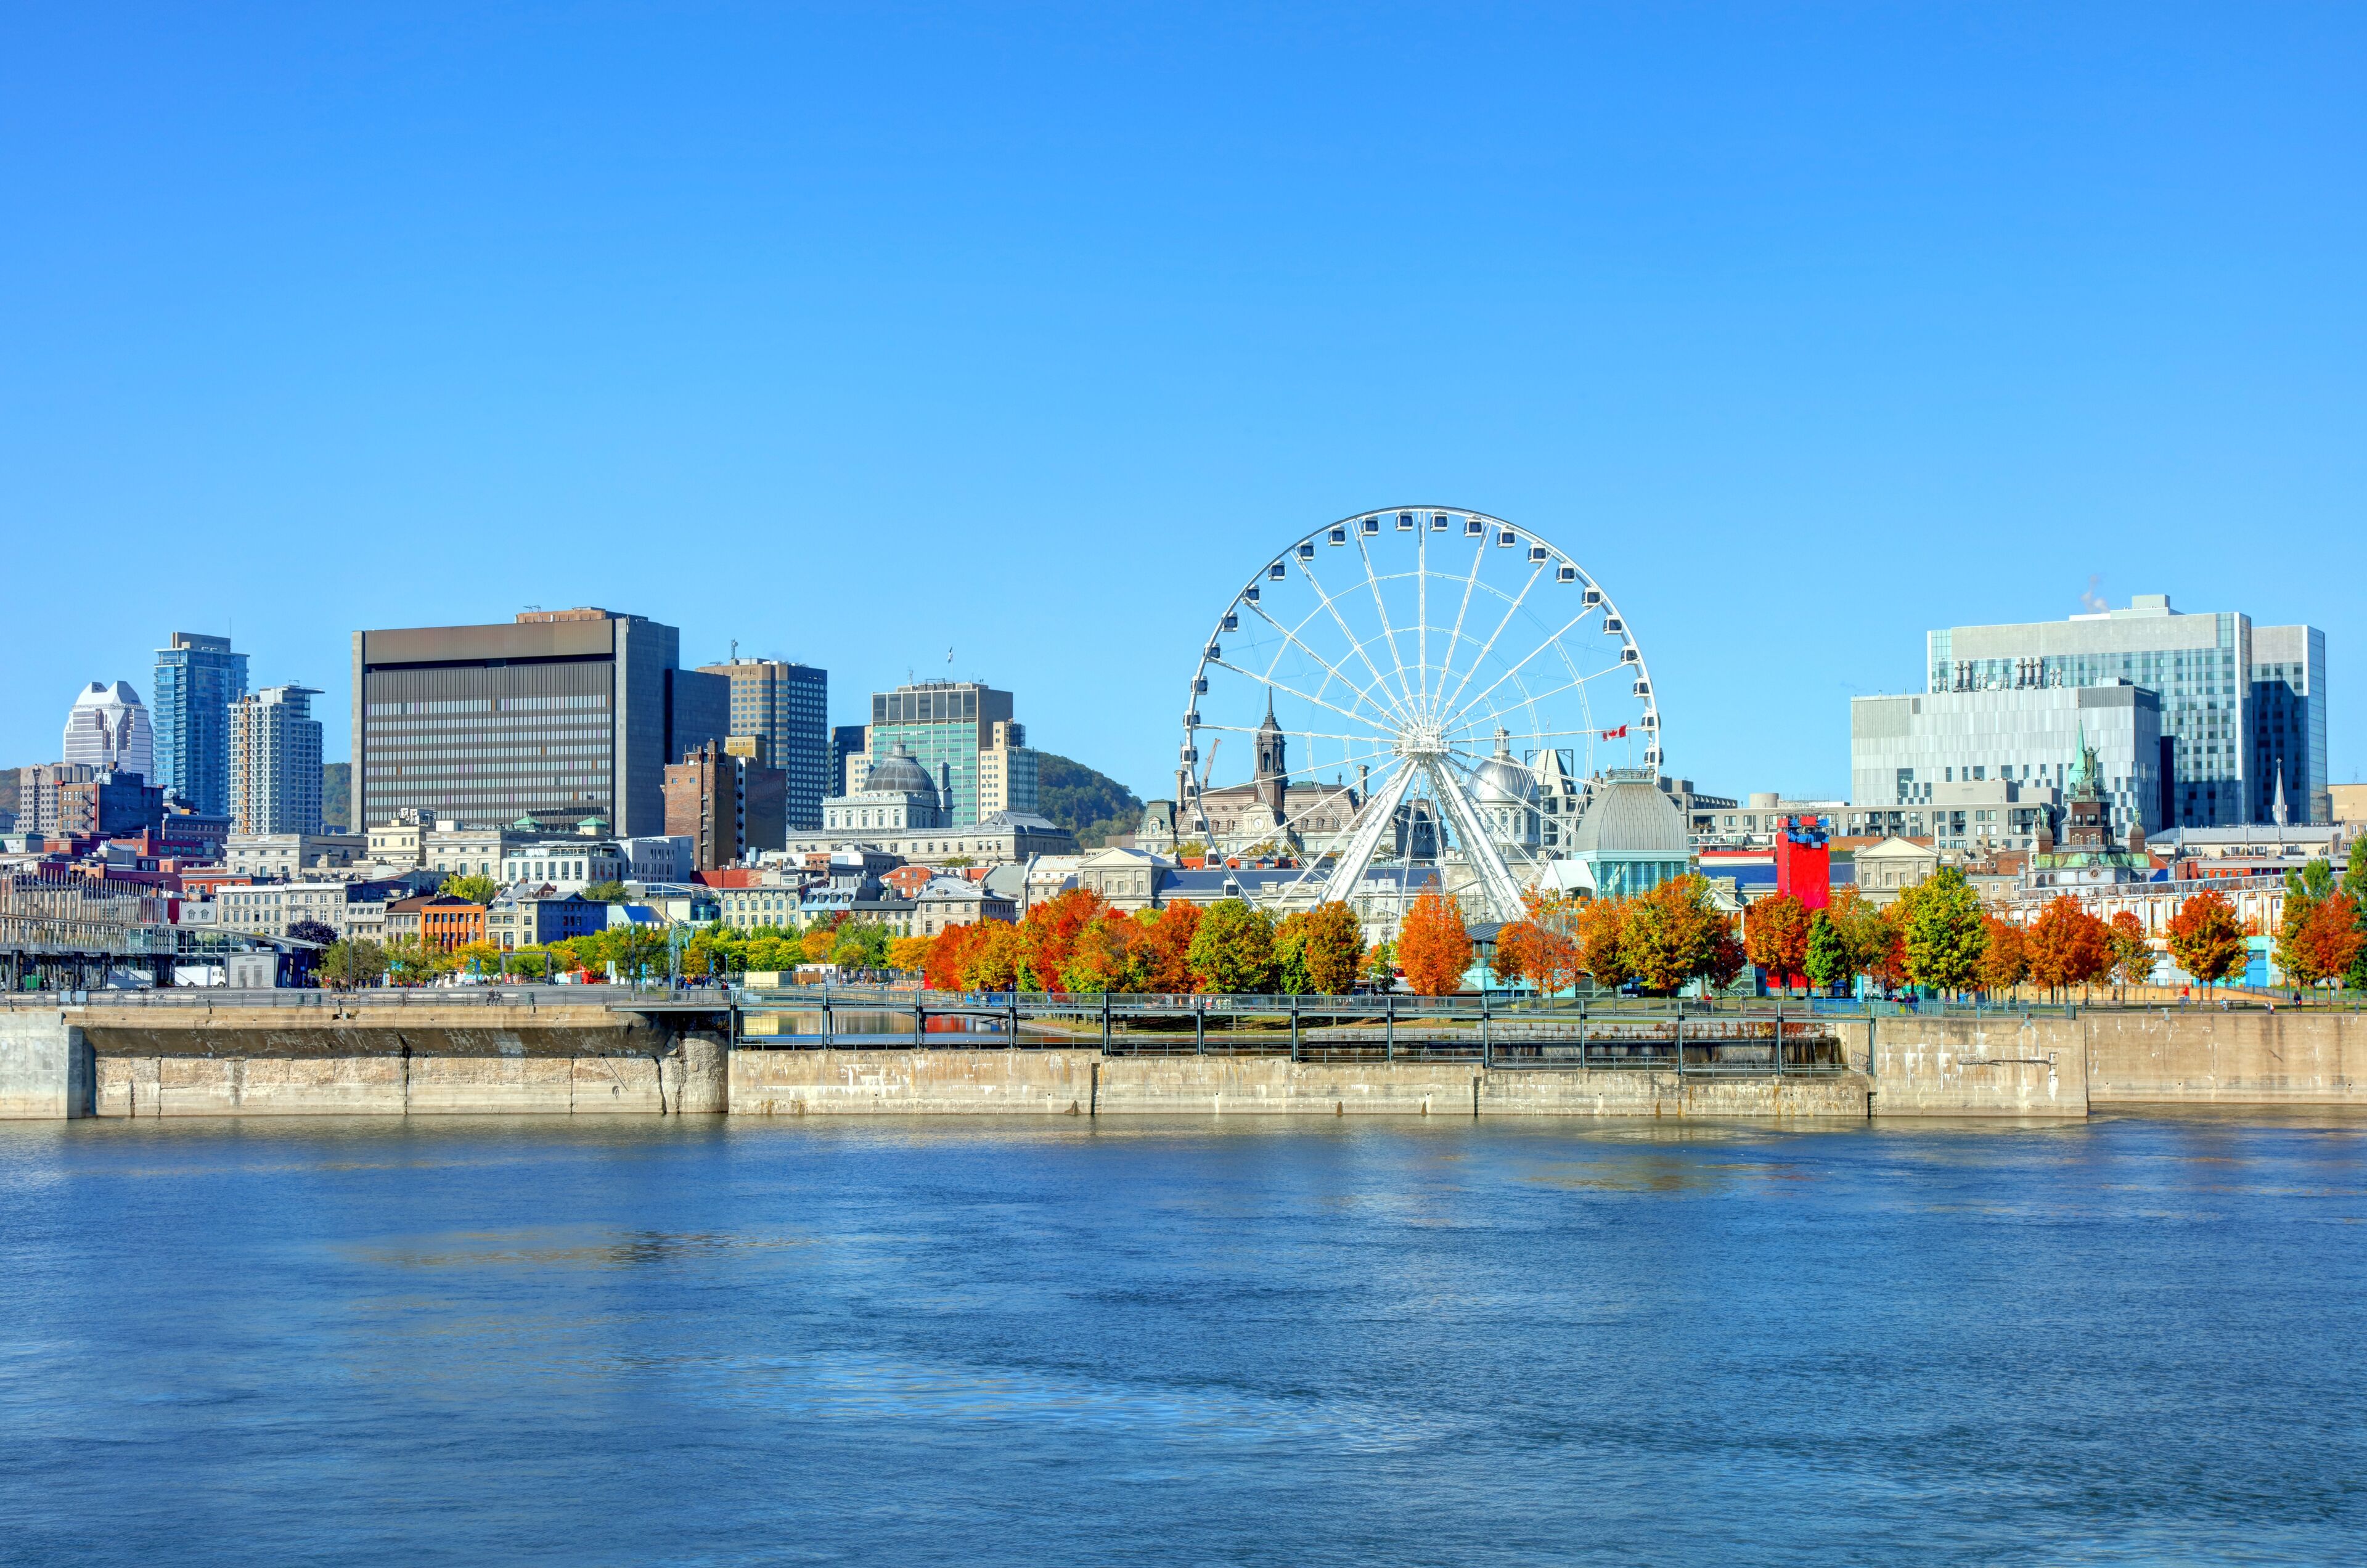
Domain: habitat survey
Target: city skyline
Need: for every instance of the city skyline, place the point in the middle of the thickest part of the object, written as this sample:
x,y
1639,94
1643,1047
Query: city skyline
x,y
1803,335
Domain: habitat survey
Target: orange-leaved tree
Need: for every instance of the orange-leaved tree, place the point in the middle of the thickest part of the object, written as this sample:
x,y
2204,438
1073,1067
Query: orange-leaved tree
x,y
949,957
2005,962
2329,941
1164,947
1331,948
908,954
1776,938
1434,949
1049,933
2205,938
1103,956
1515,954
2067,945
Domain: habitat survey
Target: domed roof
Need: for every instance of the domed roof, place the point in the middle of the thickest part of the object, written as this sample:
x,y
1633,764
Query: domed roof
x,y
1499,781
899,772
1631,816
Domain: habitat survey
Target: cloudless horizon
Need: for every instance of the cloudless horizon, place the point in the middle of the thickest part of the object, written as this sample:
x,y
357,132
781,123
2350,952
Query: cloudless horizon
x,y
858,334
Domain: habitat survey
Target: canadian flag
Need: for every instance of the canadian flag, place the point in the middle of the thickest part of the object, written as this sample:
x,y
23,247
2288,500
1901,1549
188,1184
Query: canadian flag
x,y
1617,733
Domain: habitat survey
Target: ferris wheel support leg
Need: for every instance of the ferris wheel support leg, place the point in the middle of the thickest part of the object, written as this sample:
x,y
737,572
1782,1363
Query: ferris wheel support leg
x,y
1496,882
1380,812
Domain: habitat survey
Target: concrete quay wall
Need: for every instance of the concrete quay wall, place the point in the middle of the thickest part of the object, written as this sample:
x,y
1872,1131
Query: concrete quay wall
x,y
2204,1056
1962,1066
1083,1082
687,1079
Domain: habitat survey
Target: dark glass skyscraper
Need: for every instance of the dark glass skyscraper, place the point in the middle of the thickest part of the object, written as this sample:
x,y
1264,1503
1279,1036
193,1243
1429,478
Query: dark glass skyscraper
x,y
198,678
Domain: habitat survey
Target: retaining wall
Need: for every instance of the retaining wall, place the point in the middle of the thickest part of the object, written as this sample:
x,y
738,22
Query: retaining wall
x,y
1962,1066
1083,1082
2204,1056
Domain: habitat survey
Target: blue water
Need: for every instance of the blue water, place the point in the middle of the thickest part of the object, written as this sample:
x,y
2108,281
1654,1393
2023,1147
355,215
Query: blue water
x,y
695,1342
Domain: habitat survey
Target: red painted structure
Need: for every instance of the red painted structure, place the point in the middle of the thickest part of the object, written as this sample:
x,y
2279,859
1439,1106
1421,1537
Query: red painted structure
x,y
1804,860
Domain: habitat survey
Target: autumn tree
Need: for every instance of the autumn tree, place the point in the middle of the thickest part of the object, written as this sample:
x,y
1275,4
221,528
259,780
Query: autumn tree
x,y
1884,953
1671,934
907,953
1165,946
948,957
1049,933
1318,949
1433,949
1776,938
2067,946
1602,942
1103,956
2305,889
2205,938
2005,961
1233,949
2131,954
1515,953
1944,931
2327,944
995,959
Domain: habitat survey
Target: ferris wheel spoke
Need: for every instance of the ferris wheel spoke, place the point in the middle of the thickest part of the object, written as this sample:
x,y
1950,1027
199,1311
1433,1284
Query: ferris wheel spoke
x,y
1577,684
1553,642
1285,690
1387,631
1294,734
1378,817
1381,682
1447,660
1382,715
1451,706
1503,894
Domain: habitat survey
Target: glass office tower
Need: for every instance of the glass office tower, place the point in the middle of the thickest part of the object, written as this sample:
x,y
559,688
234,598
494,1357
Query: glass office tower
x,y
786,706
198,679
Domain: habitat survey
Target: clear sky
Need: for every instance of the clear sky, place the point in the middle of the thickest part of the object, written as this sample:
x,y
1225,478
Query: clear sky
x,y
858,333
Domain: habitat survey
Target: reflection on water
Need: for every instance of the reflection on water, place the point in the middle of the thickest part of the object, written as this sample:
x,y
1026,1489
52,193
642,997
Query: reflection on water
x,y
695,1341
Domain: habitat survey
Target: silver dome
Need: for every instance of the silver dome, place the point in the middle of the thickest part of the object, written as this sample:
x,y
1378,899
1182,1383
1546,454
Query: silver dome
x,y
1500,781
1631,816
899,772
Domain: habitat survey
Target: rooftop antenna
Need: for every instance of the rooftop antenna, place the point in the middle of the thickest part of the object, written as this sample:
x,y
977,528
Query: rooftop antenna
x,y
735,651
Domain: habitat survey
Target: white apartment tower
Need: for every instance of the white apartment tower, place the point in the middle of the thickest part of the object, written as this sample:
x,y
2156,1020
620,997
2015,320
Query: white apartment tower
x,y
274,762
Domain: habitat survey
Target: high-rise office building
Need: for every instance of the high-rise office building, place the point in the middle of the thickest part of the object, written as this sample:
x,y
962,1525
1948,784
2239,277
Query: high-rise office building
x,y
786,708
198,677
274,762
109,730
963,735
2289,725
572,710
2202,666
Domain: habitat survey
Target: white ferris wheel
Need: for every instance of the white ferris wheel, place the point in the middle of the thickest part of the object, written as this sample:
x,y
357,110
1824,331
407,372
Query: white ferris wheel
x,y
1417,688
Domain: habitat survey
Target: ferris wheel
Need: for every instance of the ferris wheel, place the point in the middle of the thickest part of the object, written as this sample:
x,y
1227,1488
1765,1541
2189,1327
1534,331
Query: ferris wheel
x,y
1414,687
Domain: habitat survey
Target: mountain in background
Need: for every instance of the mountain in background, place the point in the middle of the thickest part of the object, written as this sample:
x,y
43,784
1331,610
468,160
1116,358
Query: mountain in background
x,y
9,777
1092,805
336,796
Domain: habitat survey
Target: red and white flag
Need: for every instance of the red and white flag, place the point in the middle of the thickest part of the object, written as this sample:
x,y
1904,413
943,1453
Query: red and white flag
x,y
1615,734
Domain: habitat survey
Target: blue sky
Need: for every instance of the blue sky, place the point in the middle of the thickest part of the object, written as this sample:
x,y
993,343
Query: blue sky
x,y
855,333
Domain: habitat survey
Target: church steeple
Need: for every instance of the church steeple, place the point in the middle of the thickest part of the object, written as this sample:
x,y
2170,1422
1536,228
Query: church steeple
x,y
1273,782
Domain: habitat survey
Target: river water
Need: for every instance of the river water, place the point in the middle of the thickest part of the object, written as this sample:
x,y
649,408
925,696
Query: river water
x,y
708,1341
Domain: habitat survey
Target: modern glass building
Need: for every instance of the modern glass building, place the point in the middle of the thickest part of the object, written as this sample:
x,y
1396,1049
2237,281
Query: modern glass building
x,y
963,735
198,679
2202,666
785,706
2289,725
568,710
1913,754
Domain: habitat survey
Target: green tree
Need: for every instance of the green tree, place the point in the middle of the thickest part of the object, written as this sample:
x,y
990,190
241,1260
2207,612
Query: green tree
x,y
475,889
1233,949
2354,885
860,944
608,892
1945,931
355,962
1829,961
1331,948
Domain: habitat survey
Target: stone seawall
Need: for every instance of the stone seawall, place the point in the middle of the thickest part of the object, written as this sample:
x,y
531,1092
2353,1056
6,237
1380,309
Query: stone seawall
x,y
2203,1056
1083,1082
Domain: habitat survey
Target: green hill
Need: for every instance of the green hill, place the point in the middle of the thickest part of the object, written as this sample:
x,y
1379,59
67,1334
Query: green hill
x,y
1089,804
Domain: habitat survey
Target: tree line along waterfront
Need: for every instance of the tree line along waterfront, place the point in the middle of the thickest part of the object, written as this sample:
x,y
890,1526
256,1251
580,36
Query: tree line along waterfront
x,y
1935,938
